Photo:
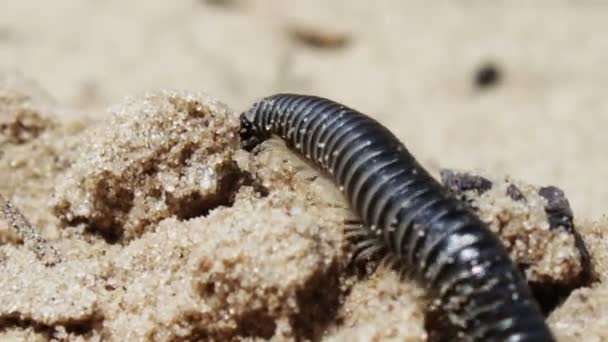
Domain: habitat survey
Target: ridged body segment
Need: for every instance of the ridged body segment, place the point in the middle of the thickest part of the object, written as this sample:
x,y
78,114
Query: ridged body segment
x,y
450,251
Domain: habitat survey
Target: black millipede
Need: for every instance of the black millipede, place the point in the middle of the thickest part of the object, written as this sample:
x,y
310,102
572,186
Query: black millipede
x,y
446,247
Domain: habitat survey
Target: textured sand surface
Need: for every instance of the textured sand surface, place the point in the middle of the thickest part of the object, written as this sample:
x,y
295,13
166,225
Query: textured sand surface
x,y
145,221
154,225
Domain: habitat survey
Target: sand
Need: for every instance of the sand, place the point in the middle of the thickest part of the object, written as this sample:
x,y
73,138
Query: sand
x,y
128,211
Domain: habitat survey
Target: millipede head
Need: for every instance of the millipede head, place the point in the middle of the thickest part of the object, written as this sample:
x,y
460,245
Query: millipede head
x,y
249,133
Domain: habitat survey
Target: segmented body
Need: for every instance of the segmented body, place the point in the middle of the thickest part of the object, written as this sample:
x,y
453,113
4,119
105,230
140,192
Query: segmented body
x,y
447,248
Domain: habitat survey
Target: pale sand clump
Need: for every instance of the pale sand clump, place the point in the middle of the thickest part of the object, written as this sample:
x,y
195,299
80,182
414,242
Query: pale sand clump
x,y
276,167
227,275
165,154
582,317
213,242
382,308
60,295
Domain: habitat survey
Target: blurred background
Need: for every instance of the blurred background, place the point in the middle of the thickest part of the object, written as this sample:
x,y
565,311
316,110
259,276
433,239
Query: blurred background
x,y
508,87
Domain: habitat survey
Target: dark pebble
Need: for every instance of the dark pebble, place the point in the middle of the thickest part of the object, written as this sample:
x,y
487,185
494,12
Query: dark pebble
x,y
487,75
458,182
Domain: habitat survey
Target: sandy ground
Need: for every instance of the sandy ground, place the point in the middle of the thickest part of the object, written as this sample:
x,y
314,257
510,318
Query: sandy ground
x,y
139,221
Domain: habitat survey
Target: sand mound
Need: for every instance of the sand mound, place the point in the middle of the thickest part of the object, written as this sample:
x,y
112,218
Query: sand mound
x,y
154,225
163,155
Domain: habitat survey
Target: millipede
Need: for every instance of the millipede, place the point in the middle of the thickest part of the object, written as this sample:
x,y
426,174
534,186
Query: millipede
x,y
403,210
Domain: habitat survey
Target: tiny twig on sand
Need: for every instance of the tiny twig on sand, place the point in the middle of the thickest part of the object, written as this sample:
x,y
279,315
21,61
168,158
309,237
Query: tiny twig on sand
x,y
30,236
